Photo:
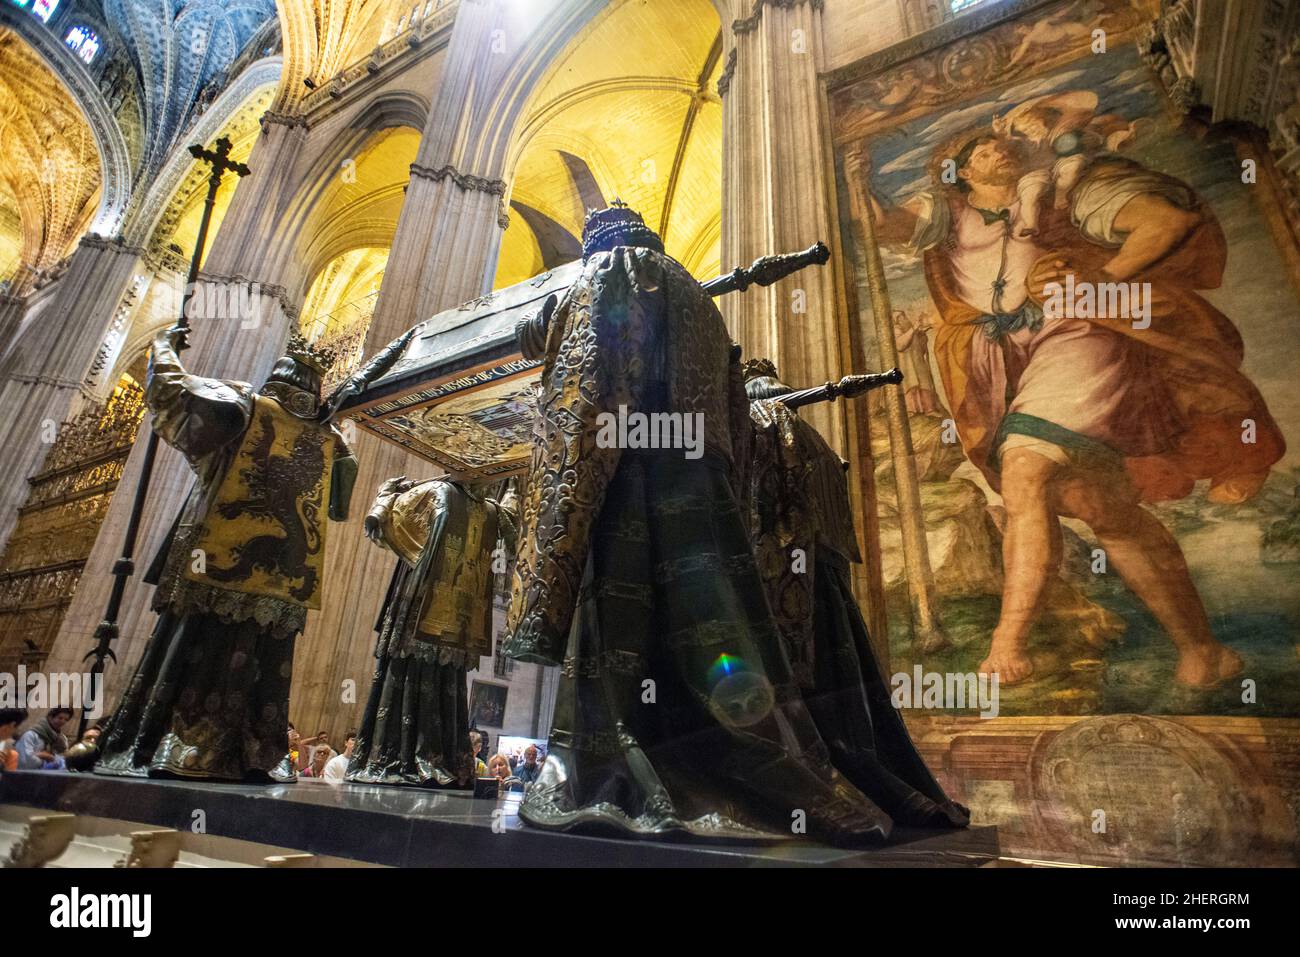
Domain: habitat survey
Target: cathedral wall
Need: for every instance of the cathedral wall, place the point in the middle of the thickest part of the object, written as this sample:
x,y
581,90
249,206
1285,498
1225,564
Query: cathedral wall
x,y
852,29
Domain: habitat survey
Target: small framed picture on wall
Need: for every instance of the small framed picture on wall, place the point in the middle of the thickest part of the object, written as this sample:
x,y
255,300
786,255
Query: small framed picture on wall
x,y
487,704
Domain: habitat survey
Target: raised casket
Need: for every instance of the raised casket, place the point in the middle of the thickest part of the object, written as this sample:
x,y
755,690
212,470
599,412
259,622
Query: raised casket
x,y
461,395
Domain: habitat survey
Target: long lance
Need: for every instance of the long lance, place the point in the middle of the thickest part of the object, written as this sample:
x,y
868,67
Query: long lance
x,y
849,387
107,630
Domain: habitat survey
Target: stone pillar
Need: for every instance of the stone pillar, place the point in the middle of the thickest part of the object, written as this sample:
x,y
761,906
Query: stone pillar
x,y
251,241
778,196
11,316
44,370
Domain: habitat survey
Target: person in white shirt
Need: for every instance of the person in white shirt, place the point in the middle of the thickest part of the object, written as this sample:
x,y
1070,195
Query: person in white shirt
x,y
337,766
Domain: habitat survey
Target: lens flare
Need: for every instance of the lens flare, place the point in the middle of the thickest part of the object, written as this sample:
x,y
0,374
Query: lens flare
x,y
738,696
725,666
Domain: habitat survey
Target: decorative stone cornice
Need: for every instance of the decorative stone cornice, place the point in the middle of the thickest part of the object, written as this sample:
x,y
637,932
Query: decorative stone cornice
x,y
116,244
728,71
755,17
283,119
465,181
272,290
61,382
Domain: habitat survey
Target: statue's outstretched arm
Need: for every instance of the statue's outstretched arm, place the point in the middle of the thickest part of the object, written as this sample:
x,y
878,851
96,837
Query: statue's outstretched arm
x,y
356,383
195,415
382,506
532,330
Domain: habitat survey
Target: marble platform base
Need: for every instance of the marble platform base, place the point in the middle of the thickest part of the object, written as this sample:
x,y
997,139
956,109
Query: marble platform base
x,y
415,828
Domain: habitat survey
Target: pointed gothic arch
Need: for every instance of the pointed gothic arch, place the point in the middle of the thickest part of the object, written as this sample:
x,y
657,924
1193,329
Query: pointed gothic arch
x,y
646,123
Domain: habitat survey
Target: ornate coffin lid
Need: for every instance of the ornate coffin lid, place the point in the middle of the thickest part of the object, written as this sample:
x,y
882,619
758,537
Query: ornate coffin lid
x,y
461,396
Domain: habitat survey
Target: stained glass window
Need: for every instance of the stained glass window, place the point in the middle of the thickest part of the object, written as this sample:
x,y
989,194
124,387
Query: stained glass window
x,y
83,42
44,9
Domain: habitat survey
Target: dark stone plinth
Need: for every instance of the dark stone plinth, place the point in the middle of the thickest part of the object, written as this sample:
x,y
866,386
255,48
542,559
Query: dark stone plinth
x,y
416,828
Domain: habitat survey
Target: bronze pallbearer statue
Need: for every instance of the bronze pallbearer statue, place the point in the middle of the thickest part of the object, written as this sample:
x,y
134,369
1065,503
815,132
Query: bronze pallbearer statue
x,y
239,569
676,712
436,624
802,529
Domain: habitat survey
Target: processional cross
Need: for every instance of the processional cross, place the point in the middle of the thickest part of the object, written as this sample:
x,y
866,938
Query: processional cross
x,y
220,162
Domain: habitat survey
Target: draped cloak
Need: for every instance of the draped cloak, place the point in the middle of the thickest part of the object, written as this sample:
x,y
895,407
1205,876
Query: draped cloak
x,y
799,500
1191,352
435,626
634,331
676,712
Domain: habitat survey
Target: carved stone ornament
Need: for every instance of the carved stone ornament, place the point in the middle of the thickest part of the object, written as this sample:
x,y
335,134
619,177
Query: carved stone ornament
x,y
465,181
47,836
158,848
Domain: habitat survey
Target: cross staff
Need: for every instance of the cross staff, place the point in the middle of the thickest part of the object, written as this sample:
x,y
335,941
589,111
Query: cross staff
x,y
107,630
221,163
